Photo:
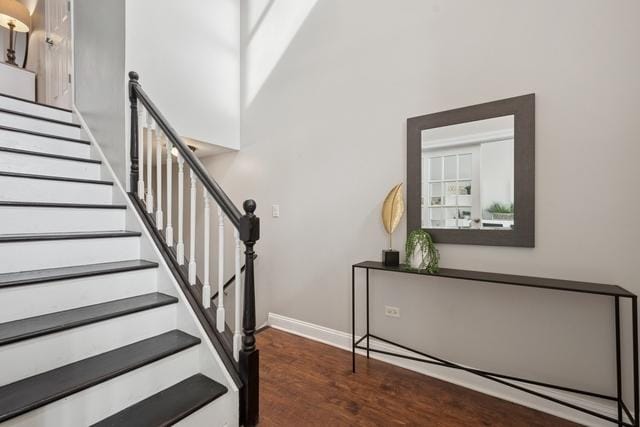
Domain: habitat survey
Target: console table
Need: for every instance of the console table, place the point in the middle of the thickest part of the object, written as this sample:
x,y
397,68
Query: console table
x,y
606,291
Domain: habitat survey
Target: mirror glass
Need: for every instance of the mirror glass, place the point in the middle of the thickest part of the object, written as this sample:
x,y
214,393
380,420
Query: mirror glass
x,y
468,175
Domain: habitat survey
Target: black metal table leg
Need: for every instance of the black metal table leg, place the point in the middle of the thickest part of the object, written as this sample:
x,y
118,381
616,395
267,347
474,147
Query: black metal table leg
x,y
616,303
353,319
636,391
367,313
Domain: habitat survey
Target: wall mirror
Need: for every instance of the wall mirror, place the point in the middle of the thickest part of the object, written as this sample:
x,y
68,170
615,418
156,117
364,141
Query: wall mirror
x,y
470,173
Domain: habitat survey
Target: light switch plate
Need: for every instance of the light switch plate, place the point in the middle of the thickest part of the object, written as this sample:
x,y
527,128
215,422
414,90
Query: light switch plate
x,y
391,311
275,211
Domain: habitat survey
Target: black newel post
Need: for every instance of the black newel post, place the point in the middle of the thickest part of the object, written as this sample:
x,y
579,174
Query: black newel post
x,y
249,358
133,82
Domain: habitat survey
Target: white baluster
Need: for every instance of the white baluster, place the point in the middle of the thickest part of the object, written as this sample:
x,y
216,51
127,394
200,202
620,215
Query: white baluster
x,y
206,287
180,245
140,153
192,233
220,312
168,232
237,334
149,201
159,145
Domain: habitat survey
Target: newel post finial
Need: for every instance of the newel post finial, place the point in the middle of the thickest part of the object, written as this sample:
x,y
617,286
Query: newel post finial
x,y
249,206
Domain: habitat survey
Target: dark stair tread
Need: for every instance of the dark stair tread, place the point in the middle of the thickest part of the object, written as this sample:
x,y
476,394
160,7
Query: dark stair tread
x,y
31,393
6,95
49,155
168,406
37,117
44,135
73,272
54,178
32,327
32,237
60,205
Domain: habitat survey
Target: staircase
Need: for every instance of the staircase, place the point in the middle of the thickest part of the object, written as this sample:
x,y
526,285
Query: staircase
x,y
94,327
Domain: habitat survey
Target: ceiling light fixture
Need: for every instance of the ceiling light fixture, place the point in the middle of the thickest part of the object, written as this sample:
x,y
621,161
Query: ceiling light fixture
x,y
174,150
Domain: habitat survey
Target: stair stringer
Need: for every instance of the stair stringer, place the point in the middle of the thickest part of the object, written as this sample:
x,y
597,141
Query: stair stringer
x,y
224,411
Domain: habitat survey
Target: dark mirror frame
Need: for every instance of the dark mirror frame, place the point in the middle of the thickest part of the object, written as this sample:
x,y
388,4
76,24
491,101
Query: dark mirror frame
x,y
523,232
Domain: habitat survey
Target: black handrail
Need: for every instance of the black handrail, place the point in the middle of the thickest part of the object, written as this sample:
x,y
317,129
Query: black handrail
x,y
221,198
228,283
248,226
231,280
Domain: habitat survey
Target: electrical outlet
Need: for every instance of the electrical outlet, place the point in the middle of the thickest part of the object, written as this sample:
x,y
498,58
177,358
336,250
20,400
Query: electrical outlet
x,y
391,311
275,211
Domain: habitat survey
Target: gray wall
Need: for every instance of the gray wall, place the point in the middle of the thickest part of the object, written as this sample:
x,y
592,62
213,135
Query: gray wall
x,y
192,71
324,137
100,85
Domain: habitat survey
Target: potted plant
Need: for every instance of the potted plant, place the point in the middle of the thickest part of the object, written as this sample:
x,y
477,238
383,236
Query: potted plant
x,y
501,211
421,252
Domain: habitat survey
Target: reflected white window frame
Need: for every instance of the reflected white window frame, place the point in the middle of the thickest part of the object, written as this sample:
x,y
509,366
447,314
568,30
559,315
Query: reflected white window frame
x,y
428,208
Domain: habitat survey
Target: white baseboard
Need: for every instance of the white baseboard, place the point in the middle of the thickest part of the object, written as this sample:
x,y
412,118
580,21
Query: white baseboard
x,y
342,340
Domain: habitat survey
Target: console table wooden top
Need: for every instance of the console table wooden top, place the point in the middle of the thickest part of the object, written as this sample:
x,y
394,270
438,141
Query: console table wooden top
x,y
508,279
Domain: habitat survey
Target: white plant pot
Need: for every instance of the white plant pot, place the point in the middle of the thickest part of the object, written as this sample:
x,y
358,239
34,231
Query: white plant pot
x,y
416,259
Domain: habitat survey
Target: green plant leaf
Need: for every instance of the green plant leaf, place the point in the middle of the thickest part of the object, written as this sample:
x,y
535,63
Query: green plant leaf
x,y
431,256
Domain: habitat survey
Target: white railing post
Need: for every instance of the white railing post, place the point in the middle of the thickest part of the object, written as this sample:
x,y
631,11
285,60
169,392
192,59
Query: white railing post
x,y
206,286
168,232
140,152
159,145
220,317
237,327
149,200
180,245
192,233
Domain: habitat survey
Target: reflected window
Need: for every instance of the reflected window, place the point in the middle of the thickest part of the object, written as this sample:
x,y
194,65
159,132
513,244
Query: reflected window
x,y
449,186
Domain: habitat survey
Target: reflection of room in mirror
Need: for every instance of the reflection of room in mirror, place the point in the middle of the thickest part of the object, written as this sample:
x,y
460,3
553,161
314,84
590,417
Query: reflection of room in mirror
x,y
467,175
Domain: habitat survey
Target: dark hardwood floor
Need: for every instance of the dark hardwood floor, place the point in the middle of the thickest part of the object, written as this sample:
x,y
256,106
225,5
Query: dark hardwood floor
x,y
306,383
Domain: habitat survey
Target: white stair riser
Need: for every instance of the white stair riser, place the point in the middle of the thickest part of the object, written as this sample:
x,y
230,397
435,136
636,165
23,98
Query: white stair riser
x,y
41,144
73,293
38,165
39,355
96,403
39,190
26,256
221,412
25,219
36,110
37,125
